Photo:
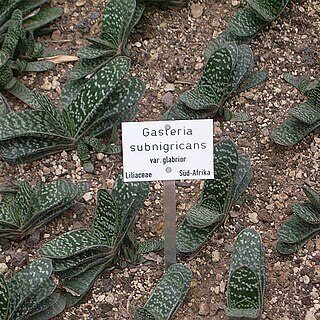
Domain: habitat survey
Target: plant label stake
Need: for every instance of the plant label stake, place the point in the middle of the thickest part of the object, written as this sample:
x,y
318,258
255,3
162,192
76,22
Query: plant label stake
x,y
168,151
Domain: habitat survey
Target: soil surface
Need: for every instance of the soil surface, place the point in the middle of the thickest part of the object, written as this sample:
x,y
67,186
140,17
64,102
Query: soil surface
x,y
167,53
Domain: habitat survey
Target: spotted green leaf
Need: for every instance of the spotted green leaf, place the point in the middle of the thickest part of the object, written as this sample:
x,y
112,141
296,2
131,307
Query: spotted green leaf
x,y
169,292
295,230
246,23
306,112
43,17
72,243
245,288
4,298
48,308
307,212
85,106
116,19
268,9
291,131
312,195
26,281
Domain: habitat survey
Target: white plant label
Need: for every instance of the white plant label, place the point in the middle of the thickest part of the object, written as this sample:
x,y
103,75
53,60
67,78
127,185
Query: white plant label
x,y
167,150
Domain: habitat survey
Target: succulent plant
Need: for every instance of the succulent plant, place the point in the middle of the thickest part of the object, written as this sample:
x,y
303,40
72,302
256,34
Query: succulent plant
x,y
30,294
171,4
296,231
19,21
246,282
248,22
168,294
232,175
120,16
228,70
102,103
27,208
304,118
81,255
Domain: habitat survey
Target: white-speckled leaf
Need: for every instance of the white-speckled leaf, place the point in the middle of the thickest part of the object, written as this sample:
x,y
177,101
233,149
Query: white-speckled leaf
x,y
295,230
4,298
30,278
85,106
307,212
72,243
116,20
312,195
291,131
169,292
268,9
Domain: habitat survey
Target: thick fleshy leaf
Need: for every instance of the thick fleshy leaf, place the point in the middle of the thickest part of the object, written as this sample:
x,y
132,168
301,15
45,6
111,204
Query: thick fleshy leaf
x,y
243,66
116,20
143,314
70,90
191,239
42,18
289,248
295,230
246,281
312,195
307,212
86,104
180,111
91,52
121,101
196,100
26,149
301,82
81,284
129,198
35,297
48,308
72,243
291,131
87,67
39,66
4,298
217,188
268,9
59,265
306,112
200,216
242,178
244,296
253,79
4,106
246,23
169,292
225,152
30,278
107,217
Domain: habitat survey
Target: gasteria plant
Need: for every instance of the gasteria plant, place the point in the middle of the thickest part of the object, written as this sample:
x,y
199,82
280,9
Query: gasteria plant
x,y
228,71
19,21
296,231
168,294
248,22
232,175
120,16
81,255
246,283
303,118
27,209
102,103
30,294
